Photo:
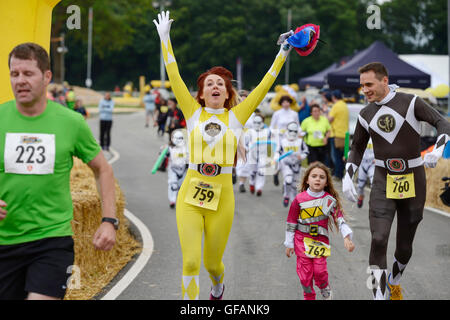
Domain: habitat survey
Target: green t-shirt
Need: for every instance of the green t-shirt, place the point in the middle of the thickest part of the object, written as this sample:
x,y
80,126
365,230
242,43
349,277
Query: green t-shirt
x,y
315,130
35,164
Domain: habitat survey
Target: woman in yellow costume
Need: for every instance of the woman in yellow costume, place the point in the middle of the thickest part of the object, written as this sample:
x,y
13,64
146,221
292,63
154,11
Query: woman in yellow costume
x,y
205,202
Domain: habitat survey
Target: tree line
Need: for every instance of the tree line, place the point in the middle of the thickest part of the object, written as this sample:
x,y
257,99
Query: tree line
x,y
207,33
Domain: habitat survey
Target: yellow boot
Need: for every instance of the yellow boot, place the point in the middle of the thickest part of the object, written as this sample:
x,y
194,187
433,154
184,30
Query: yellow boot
x,y
395,291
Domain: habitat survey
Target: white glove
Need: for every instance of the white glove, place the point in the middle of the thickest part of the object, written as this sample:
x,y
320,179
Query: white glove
x,y
163,26
348,188
432,157
285,46
284,36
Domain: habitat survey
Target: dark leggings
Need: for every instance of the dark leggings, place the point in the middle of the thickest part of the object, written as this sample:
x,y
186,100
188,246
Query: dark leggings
x,y
105,133
380,229
381,215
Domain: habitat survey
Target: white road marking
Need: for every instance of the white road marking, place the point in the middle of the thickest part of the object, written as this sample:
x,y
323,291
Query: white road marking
x,y
144,256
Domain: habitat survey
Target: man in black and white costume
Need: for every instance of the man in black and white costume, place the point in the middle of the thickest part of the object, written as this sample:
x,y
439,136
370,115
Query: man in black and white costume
x,y
392,120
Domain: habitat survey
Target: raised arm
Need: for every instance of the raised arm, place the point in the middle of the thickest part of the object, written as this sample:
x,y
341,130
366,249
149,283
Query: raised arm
x,y
187,103
248,106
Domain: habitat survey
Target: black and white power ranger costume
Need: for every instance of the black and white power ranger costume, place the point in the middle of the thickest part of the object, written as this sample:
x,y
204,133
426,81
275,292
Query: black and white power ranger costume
x,y
178,164
399,183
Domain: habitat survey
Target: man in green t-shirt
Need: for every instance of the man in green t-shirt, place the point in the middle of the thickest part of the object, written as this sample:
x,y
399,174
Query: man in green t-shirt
x,y
38,139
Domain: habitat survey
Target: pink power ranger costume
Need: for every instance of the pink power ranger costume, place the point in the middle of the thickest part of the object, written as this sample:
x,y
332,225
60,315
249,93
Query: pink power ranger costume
x,y
307,232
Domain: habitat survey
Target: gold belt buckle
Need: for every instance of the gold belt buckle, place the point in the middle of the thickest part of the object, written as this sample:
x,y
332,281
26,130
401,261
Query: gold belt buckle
x,y
314,229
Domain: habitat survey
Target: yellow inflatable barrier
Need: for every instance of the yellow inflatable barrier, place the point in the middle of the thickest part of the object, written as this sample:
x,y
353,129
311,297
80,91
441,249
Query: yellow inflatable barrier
x,y
22,21
157,84
440,91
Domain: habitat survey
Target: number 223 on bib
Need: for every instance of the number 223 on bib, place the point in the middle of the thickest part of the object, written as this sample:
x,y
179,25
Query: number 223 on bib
x,y
203,194
29,153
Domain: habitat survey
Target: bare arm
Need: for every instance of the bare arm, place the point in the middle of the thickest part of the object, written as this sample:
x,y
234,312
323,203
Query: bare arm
x,y
105,236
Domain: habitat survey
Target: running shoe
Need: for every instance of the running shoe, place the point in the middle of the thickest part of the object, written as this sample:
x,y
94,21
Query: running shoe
x,y
258,193
327,294
395,291
285,202
275,179
241,188
172,205
360,202
252,189
211,297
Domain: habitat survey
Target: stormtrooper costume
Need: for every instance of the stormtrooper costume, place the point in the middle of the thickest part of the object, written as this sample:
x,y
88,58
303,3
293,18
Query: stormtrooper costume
x,y
366,171
178,163
258,147
290,165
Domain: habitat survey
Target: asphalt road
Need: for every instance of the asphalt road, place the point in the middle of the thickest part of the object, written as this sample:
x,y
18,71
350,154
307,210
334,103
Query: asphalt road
x,y
256,267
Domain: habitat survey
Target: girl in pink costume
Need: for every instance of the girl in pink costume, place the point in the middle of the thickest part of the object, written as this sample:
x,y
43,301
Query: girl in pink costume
x,y
307,229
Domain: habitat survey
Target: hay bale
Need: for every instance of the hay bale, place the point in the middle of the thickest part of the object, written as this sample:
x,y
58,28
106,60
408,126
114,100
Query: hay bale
x,y
96,268
435,184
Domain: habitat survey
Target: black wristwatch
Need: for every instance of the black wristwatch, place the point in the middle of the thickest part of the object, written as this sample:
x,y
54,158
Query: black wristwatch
x,y
114,221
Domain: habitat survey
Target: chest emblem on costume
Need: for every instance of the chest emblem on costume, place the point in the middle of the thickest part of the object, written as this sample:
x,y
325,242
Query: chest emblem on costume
x,y
386,123
213,129
316,208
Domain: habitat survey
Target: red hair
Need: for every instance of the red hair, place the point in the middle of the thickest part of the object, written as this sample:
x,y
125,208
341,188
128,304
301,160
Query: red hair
x,y
227,76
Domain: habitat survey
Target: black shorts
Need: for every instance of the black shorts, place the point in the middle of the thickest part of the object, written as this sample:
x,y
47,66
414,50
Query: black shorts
x,y
42,266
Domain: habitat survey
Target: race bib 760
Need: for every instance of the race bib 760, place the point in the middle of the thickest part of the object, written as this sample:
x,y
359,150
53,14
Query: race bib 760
x,y
29,153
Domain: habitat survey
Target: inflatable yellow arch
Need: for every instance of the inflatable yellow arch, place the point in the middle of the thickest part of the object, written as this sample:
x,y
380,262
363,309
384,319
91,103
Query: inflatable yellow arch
x,y
22,21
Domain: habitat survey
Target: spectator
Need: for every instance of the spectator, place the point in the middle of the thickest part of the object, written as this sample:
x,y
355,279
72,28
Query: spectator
x,y
61,98
70,98
175,117
161,116
338,118
80,108
149,102
105,108
317,129
327,103
304,111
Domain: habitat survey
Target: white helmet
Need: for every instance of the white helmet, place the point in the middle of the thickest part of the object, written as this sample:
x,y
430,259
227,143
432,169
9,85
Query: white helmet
x,y
292,131
177,138
258,122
